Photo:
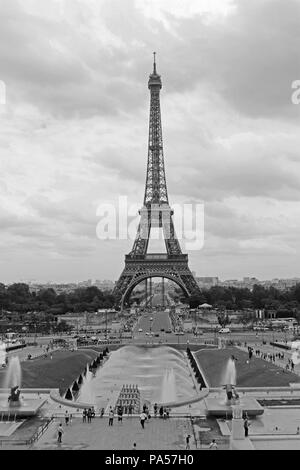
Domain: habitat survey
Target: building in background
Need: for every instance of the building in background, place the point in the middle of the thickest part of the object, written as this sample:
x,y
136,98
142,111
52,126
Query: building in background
x,y
207,282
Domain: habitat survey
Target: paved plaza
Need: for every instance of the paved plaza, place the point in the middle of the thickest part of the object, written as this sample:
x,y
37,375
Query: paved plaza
x,y
158,434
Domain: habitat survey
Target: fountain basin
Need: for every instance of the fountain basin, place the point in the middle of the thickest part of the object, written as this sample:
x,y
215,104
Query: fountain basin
x,y
248,404
25,409
190,401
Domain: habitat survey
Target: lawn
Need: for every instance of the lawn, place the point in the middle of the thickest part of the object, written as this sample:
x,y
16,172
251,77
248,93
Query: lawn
x,y
58,372
257,373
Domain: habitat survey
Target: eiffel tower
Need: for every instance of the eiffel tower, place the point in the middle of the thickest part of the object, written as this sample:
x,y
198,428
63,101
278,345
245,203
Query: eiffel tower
x,y
156,212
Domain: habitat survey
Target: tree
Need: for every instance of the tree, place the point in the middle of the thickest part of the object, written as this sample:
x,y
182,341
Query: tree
x,y
223,319
248,317
196,300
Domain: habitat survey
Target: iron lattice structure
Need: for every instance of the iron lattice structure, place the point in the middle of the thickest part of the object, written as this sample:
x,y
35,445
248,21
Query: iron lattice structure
x,y
156,212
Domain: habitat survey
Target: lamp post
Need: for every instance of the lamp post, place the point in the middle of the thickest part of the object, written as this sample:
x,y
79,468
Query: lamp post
x,y
106,324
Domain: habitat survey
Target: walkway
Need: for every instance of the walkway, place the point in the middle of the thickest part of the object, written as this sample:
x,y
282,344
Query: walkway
x,y
158,434
269,349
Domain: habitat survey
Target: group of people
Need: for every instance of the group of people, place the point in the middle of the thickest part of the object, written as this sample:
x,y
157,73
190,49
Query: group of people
x,y
290,365
269,356
272,357
163,411
88,414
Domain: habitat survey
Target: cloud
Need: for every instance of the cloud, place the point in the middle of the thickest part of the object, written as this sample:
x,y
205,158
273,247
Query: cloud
x,y
75,128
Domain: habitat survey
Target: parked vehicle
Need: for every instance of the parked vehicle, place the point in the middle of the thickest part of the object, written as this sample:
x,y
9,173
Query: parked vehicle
x,y
224,330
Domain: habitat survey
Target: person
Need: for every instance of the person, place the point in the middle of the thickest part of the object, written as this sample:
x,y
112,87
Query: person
x,y
102,412
111,417
67,418
143,418
60,432
246,426
155,409
187,442
161,412
298,430
130,409
120,414
89,415
84,413
71,418
213,445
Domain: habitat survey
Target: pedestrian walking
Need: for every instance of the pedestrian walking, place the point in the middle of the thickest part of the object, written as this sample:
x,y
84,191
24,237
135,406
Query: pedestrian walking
x,y
84,413
213,445
143,418
67,418
111,417
71,418
130,409
120,414
102,412
155,410
246,427
89,415
60,432
187,442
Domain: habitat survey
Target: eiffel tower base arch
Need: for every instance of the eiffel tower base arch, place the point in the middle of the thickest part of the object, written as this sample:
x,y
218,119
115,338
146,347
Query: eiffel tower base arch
x,y
171,267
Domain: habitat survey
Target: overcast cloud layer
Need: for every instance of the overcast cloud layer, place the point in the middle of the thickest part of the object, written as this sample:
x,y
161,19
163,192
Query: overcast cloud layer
x,y
74,130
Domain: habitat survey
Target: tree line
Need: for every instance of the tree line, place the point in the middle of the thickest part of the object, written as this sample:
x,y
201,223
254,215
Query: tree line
x,y
285,303
18,298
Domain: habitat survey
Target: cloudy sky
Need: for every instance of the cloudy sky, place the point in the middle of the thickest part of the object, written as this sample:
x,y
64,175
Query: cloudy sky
x,y
74,130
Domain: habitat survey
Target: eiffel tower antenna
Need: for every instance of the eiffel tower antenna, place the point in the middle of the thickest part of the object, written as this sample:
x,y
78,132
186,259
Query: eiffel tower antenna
x,y
156,212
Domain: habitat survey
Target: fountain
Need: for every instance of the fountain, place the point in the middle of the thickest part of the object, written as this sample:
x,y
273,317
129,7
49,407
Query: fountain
x,y
13,374
168,393
161,374
229,381
2,354
14,404
232,403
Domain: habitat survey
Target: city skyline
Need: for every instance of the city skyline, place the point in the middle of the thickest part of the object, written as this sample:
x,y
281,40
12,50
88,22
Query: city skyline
x,y
94,281
75,131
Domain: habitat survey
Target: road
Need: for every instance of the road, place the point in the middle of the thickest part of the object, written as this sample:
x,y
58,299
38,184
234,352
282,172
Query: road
x,y
160,320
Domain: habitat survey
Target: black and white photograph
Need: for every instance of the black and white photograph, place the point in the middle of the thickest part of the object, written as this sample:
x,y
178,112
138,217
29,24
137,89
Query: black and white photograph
x,y
150,228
